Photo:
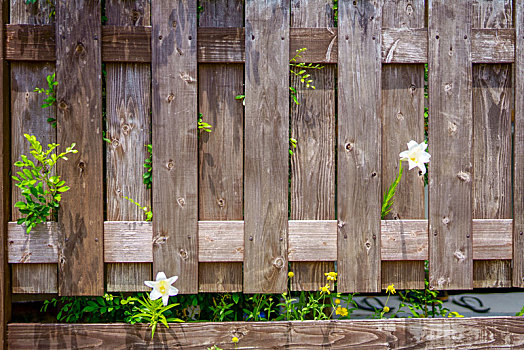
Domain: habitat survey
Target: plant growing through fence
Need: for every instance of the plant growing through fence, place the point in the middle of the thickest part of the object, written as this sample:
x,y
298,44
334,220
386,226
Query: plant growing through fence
x,y
148,164
41,189
202,125
50,93
147,211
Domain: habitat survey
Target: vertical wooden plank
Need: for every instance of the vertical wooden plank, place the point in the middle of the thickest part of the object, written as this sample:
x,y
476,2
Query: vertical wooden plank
x,y
402,121
79,117
450,138
129,128
313,161
175,154
5,188
492,106
28,117
221,162
266,146
518,150
359,152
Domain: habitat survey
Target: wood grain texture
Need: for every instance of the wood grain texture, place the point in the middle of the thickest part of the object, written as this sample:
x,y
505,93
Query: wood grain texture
x,y
266,146
359,155
450,143
402,121
518,151
27,116
128,101
313,126
128,241
5,180
175,153
430,333
492,108
40,246
221,165
79,98
227,45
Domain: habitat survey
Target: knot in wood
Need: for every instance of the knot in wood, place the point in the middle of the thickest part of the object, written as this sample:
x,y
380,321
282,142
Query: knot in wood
x,y
173,24
278,263
221,202
81,165
135,16
464,176
341,224
160,240
62,105
459,255
445,220
170,164
349,147
367,245
170,97
183,254
373,174
187,78
80,50
126,128
115,143
181,202
409,9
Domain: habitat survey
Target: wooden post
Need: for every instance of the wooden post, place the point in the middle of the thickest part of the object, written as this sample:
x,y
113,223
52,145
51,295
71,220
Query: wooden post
x,y
79,117
450,144
266,146
175,154
359,147
5,181
518,151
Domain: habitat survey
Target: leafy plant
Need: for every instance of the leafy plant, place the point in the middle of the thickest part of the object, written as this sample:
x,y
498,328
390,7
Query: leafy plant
x,y
299,69
49,2
390,194
221,308
50,93
148,213
521,312
42,190
153,312
241,97
148,164
292,145
203,125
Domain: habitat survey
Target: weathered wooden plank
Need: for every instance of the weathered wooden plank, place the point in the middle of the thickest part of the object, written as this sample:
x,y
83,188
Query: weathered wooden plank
x,y
128,101
402,121
175,153
266,146
5,180
313,125
226,45
450,139
359,159
430,333
27,116
223,241
492,107
518,150
221,165
79,97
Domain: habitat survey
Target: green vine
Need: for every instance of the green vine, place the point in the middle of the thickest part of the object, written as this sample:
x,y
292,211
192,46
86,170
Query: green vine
x,y
50,93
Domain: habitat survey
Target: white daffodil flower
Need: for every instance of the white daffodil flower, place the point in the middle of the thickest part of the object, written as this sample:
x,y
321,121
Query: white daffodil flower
x,y
416,155
162,287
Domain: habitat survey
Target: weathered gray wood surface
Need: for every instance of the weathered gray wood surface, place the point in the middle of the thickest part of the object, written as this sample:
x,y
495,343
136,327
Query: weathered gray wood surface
x,y
175,154
518,150
221,151
492,146
450,143
313,126
402,121
359,152
430,333
128,102
266,146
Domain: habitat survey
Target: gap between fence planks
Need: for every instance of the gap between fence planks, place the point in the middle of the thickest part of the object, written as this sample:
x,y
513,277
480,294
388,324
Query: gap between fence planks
x,y
428,333
133,44
223,241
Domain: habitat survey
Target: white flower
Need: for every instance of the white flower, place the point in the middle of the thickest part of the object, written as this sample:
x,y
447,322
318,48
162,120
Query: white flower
x,y
162,287
416,155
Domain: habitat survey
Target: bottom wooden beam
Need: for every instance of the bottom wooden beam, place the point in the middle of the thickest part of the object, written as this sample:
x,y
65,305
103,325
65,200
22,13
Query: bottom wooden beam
x,y
447,333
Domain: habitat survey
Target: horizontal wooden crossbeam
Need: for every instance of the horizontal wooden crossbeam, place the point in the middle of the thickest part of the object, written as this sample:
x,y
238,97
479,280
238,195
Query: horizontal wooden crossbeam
x,y
428,333
223,241
133,44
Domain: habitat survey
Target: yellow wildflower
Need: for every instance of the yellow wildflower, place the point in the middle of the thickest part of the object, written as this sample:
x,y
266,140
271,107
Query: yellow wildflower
x,y
386,308
391,289
342,311
234,340
325,289
290,274
331,276
337,301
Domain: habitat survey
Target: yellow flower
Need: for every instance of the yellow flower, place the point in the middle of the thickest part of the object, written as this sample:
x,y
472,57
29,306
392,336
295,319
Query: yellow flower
x,y
455,314
391,289
290,274
386,308
234,340
342,311
331,276
337,301
325,289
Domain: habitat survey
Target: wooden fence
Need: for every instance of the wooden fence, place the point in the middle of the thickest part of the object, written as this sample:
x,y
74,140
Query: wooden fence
x,y
232,208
